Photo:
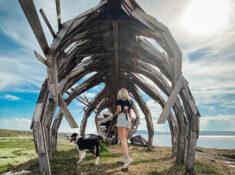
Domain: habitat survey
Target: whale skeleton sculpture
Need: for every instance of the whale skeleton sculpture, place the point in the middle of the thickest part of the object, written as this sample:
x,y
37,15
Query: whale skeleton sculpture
x,y
111,40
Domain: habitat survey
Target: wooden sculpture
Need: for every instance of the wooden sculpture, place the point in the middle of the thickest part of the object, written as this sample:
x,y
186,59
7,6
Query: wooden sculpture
x,y
111,40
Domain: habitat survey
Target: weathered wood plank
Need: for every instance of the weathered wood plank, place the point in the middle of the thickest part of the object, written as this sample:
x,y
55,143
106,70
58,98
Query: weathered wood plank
x,y
147,113
52,77
47,23
58,12
66,112
170,102
116,57
96,101
32,17
41,148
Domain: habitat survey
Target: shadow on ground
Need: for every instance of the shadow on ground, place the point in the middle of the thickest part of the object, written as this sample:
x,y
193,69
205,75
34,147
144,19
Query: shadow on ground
x,y
157,162
65,162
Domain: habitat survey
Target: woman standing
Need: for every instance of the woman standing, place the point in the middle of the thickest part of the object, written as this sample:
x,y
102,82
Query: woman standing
x,y
123,113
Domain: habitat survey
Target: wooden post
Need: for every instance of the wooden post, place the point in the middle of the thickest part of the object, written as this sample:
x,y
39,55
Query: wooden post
x,y
38,131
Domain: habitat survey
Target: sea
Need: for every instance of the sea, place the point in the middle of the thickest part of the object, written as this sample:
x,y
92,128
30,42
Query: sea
x,y
207,139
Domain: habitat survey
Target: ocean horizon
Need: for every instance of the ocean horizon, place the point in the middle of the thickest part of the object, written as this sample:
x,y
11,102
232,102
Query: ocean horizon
x,y
207,139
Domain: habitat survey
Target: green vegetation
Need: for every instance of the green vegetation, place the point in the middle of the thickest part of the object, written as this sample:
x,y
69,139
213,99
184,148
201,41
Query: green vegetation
x,y
204,168
14,133
15,148
17,153
229,155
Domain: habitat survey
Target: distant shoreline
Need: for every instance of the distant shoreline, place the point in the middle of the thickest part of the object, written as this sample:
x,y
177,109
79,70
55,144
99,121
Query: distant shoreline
x,y
207,133
211,139
217,133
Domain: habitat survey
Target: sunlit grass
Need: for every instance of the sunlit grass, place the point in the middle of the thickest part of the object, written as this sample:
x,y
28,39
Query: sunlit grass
x,y
17,152
15,149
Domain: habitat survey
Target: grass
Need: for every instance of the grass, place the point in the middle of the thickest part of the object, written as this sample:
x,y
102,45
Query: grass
x,y
16,147
229,155
17,153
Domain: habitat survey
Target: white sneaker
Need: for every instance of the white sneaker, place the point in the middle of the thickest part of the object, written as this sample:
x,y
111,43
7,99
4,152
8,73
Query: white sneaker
x,y
123,159
127,162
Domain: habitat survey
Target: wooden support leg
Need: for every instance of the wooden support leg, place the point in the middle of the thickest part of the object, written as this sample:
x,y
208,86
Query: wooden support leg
x,y
42,149
193,127
150,127
174,133
181,145
83,126
190,159
54,130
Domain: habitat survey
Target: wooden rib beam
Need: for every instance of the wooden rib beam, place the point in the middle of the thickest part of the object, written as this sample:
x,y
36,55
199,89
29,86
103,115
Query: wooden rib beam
x,y
116,57
152,92
146,70
79,98
32,17
90,108
86,85
47,23
137,122
147,114
154,25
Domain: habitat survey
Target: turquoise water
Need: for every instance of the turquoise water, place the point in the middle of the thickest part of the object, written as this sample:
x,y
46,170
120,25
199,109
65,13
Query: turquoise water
x,y
207,141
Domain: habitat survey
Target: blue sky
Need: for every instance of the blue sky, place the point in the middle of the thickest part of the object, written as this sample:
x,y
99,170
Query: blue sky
x,y
208,59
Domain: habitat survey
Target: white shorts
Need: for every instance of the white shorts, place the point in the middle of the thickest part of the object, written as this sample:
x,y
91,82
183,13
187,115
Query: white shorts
x,y
122,121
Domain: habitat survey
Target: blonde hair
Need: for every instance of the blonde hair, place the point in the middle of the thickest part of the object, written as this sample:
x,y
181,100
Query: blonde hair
x,y
123,94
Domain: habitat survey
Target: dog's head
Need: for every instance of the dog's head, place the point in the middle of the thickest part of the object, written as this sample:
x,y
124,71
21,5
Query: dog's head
x,y
73,137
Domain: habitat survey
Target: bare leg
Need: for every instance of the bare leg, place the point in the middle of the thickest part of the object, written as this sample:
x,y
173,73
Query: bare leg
x,y
123,139
127,133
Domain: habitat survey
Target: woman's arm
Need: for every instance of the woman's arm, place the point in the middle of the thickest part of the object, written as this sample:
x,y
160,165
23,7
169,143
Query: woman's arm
x,y
130,114
118,110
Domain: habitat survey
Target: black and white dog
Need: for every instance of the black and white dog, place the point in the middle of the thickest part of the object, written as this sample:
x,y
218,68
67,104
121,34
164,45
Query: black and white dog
x,y
84,144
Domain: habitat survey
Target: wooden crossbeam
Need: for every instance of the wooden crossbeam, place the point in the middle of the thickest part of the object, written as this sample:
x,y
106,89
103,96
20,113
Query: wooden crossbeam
x,y
170,102
47,23
32,17
66,112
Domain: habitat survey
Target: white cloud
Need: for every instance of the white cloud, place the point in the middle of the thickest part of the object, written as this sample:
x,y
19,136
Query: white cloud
x,y
217,123
16,70
18,123
10,97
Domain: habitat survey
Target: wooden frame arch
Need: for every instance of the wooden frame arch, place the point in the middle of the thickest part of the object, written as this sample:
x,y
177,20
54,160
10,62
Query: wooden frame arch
x,y
108,39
